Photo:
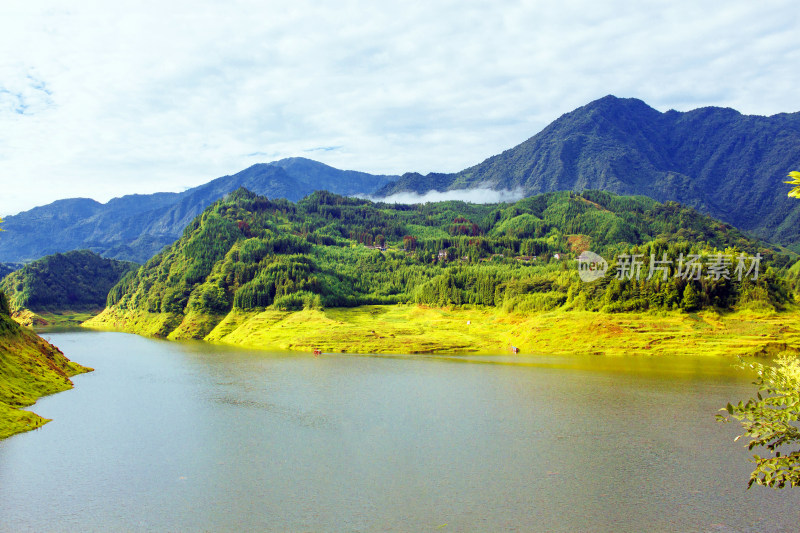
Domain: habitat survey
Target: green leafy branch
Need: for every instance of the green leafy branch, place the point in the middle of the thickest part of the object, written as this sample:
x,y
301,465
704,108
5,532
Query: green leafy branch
x,y
771,421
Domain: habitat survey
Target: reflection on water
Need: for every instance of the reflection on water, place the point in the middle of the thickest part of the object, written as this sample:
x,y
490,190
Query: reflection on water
x,y
190,436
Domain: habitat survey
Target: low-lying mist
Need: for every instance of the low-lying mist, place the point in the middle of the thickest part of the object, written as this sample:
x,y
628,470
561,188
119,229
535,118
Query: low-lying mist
x,y
483,195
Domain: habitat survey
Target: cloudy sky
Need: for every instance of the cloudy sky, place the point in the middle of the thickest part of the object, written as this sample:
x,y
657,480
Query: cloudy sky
x,y
100,99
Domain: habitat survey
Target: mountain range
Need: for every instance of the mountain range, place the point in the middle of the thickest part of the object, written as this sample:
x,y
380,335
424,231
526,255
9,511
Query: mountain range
x,y
724,164
135,227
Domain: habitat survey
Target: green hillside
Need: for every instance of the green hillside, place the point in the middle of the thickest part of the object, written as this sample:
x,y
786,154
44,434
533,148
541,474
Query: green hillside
x,y
247,253
78,280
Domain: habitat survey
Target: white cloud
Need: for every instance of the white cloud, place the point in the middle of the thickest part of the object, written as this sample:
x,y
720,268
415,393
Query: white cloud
x,y
480,195
144,96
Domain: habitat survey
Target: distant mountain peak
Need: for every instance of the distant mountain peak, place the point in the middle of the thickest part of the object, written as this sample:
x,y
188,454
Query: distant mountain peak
x,y
715,159
611,99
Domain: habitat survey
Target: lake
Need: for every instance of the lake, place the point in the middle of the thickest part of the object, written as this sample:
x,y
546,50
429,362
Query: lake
x,y
193,436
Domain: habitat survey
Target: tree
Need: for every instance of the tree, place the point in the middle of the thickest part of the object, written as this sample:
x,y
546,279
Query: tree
x,y
795,192
691,300
770,420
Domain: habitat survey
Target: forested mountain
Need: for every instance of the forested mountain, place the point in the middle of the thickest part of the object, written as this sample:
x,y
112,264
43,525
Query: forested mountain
x,y
75,280
725,164
135,227
248,252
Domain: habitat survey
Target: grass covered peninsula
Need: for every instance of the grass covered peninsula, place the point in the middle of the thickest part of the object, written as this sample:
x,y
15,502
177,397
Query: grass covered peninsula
x,y
30,368
344,274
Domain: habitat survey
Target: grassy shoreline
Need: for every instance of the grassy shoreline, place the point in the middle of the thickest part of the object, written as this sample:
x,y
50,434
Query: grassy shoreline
x,y
45,320
420,329
30,368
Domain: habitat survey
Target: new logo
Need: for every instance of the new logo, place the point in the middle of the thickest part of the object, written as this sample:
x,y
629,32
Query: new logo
x,y
591,266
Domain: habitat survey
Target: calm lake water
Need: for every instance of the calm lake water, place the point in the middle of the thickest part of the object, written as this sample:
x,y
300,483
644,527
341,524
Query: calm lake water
x,y
190,436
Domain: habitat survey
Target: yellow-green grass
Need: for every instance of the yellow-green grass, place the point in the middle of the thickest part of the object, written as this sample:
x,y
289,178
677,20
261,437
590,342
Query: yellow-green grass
x,y
139,322
13,421
30,368
418,329
52,320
